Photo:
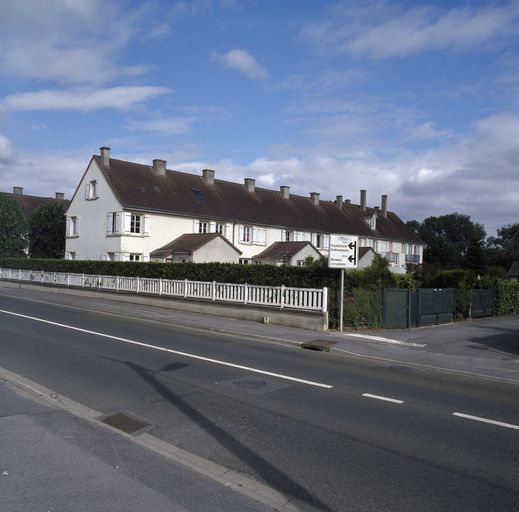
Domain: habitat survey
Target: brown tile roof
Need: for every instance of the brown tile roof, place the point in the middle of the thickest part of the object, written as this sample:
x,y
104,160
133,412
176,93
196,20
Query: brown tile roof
x,y
138,187
514,269
31,203
281,250
188,243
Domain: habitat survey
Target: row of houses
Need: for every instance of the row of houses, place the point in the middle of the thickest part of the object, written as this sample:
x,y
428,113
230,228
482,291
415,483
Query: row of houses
x,y
126,211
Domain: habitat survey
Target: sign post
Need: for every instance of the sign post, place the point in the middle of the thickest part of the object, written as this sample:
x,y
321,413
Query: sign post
x,y
343,254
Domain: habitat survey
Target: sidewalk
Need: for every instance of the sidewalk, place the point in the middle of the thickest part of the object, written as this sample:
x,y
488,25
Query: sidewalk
x,y
487,347
55,461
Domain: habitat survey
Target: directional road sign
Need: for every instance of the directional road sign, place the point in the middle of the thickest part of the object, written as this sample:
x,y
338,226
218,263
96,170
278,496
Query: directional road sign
x,y
343,251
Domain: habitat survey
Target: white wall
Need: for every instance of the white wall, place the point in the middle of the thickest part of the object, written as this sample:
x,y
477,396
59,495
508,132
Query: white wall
x,y
216,250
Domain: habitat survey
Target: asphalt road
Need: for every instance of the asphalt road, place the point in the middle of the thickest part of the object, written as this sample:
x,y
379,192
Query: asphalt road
x,y
317,427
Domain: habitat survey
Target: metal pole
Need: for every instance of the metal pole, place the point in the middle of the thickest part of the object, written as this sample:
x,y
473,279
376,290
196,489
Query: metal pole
x,y
341,312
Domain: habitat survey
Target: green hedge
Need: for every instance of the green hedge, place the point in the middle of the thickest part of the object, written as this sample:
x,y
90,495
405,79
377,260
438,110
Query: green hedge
x,y
507,298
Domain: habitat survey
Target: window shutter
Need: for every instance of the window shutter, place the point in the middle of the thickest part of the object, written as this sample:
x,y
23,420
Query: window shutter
x,y
117,227
300,236
127,220
146,257
254,235
314,239
77,226
229,232
283,235
87,190
241,231
212,227
261,236
109,224
326,242
68,228
196,226
147,225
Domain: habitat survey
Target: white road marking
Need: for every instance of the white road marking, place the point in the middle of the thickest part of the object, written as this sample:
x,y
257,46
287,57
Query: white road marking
x,y
385,398
385,340
163,349
485,420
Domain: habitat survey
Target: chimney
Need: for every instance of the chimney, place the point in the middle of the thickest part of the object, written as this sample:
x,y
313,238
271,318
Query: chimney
x,y
363,200
249,184
314,196
338,202
18,191
60,195
105,156
159,167
208,176
347,201
284,191
384,205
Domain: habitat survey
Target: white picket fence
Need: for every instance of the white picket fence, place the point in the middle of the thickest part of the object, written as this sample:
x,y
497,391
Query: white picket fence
x,y
310,299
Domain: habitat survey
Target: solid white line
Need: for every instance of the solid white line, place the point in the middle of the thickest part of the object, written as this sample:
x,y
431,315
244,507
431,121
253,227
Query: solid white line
x,y
385,398
163,349
385,340
485,420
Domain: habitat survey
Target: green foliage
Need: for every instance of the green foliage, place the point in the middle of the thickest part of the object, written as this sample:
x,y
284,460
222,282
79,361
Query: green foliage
x,y
507,298
363,308
47,231
452,241
13,228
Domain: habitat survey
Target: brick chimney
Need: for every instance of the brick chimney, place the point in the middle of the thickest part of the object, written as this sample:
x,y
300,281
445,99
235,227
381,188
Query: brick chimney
x,y
284,191
249,184
105,156
314,197
18,191
208,176
384,205
363,200
159,167
60,195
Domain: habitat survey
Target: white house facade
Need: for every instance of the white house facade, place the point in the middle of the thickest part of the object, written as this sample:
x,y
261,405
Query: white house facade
x,y
123,211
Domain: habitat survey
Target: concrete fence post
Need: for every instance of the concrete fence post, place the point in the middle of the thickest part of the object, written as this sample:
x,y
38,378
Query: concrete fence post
x,y
282,297
325,300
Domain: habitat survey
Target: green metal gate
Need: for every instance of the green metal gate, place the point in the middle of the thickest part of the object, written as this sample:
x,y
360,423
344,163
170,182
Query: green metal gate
x,y
426,306
482,303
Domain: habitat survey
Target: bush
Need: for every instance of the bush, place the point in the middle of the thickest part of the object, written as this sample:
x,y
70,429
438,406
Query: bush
x,y
507,298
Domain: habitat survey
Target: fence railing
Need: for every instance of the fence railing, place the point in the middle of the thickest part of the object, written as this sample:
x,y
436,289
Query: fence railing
x,y
310,299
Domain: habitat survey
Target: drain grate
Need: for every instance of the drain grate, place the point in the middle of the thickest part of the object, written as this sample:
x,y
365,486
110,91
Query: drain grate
x,y
318,345
125,422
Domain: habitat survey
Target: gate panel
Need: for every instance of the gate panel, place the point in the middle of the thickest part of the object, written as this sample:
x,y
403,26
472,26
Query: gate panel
x,y
395,313
482,303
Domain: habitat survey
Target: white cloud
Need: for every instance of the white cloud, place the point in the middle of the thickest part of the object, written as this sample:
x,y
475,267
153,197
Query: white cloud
x,y
71,41
242,61
425,131
7,150
386,31
82,99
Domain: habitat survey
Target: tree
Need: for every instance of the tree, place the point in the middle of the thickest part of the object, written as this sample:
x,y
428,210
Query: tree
x,y
13,228
452,241
507,240
47,231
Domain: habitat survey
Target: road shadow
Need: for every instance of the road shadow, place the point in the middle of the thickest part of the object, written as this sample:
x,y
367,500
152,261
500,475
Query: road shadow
x,y
270,474
506,342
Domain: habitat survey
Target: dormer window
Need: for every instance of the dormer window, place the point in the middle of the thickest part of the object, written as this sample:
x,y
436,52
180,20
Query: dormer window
x,y
371,222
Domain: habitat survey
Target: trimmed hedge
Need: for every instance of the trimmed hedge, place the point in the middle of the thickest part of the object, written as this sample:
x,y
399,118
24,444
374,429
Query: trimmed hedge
x,y
507,298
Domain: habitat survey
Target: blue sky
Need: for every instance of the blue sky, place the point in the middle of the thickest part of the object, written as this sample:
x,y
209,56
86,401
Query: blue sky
x,y
417,100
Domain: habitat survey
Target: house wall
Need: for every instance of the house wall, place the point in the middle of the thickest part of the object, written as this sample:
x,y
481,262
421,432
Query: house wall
x,y
304,253
216,250
92,242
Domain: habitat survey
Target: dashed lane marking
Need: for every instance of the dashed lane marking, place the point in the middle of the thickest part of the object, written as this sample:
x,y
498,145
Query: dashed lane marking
x,y
485,420
384,398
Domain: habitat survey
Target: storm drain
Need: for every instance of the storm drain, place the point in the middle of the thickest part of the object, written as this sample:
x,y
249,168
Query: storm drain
x,y
318,345
125,422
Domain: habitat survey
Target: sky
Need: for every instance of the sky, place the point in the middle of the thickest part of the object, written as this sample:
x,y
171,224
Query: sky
x,y
417,100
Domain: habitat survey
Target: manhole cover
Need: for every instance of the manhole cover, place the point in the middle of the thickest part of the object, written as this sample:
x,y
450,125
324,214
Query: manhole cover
x,y
254,385
318,345
125,422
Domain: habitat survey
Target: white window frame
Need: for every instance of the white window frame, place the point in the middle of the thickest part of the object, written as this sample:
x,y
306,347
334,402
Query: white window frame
x,y
219,228
72,228
136,223
203,226
135,257
91,190
259,236
245,236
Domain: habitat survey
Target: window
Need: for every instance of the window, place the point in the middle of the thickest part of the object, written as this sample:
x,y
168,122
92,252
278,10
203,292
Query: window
x,y
259,236
371,222
70,255
113,223
245,235
220,229
73,226
111,256
135,224
203,227
91,190
244,261
134,257
300,263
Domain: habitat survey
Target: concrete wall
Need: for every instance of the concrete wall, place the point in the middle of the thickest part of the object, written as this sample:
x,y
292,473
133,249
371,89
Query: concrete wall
x,y
216,250
312,321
